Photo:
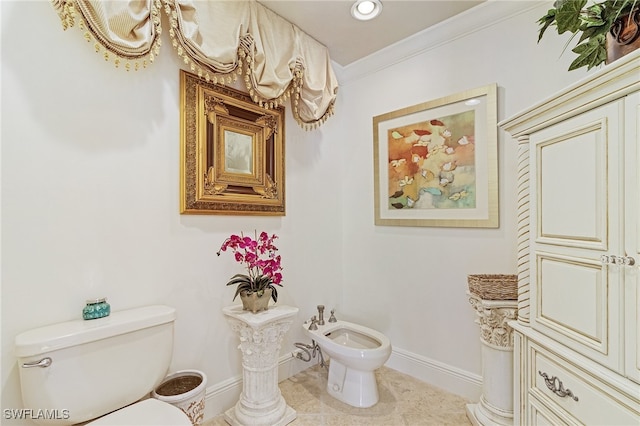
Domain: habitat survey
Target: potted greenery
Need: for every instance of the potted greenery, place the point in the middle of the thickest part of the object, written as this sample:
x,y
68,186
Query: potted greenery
x,y
259,256
595,21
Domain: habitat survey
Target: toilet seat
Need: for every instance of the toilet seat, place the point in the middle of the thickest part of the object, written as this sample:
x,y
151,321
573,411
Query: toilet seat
x,y
149,412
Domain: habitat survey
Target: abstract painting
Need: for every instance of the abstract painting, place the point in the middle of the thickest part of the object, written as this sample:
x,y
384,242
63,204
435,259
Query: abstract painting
x,y
435,163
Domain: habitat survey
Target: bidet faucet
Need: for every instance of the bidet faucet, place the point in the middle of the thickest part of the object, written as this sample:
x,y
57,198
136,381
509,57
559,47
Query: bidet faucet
x,y
313,325
332,318
321,314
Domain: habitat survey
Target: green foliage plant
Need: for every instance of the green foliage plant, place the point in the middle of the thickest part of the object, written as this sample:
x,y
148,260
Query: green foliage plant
x,y
589,19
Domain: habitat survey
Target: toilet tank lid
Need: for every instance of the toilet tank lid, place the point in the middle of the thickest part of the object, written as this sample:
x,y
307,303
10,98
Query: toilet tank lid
x,y
71,333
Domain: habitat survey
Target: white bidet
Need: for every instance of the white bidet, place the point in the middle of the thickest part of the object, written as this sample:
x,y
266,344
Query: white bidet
x,y
355,352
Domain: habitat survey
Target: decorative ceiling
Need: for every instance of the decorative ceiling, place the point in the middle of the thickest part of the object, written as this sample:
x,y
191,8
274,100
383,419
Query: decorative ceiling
x,y
330,22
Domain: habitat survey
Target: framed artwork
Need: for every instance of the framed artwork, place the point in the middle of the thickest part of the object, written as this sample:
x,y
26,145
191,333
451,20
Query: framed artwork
x,y
232,152
435,163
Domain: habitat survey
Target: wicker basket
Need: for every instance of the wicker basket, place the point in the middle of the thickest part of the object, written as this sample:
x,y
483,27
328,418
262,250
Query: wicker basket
x,y
494,287
184,389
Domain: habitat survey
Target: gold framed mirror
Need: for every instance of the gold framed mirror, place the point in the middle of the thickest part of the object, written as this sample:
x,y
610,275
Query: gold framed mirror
x,y
232,152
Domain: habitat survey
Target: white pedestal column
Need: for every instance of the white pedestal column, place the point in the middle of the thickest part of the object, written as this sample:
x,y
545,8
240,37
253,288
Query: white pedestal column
x,y
496,403
261,403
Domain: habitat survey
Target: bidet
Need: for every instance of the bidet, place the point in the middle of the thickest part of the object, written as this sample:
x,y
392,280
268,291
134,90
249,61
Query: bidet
x,y
355,352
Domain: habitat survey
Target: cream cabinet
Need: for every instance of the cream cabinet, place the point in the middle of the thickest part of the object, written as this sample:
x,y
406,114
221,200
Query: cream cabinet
x,y
632,237
577,336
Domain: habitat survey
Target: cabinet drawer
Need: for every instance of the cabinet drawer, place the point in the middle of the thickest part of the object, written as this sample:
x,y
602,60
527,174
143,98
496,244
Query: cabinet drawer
x,y
541,415
576,392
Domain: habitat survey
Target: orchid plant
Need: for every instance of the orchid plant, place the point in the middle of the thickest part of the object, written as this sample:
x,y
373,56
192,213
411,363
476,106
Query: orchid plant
x,y
259,256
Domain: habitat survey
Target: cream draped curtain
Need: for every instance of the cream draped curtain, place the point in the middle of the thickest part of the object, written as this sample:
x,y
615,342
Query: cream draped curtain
x,y
220,41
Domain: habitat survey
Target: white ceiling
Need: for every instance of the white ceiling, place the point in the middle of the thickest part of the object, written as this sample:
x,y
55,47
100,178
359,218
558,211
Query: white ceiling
x,y
330,22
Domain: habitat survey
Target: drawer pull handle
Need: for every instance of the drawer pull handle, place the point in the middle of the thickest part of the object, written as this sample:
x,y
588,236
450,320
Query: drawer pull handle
x,y
555,385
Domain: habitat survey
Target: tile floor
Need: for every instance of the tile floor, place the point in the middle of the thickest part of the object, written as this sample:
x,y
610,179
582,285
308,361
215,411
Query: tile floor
x,y
403,401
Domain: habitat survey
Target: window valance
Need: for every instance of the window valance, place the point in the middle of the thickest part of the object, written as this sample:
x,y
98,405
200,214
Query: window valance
x,y
219,41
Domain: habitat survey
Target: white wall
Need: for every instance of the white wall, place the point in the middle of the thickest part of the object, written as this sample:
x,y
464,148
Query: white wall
x,y
90,175
410,282
90,200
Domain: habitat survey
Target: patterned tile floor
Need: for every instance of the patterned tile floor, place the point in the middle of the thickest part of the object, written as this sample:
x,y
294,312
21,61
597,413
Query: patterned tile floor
x,y
403,401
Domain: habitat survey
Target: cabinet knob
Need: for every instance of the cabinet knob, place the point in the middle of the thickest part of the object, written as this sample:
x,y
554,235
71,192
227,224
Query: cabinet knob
x,y
624,261
628,261
606,259
611,259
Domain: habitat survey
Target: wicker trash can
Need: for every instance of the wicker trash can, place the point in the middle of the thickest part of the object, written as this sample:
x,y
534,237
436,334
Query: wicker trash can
x,y
184,389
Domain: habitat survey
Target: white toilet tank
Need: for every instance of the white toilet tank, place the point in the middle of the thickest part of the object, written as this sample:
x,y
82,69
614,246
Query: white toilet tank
x,y
95,366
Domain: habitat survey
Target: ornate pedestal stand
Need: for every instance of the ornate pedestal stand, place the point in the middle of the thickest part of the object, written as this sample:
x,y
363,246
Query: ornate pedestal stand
x,y
261,402
496,403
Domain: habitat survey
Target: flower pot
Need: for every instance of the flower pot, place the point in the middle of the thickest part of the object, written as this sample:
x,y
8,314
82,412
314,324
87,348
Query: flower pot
x,y
184,389
255,303
624,36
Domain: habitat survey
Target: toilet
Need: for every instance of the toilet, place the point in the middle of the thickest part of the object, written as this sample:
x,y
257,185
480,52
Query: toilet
x,y
100,371
355,352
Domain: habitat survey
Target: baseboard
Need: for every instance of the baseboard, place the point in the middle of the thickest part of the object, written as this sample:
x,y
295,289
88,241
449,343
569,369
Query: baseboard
x,y
438,374
221,396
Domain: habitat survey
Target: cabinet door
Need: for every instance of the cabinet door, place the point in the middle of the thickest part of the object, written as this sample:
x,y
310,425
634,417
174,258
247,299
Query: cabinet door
x,y
576,174
632,237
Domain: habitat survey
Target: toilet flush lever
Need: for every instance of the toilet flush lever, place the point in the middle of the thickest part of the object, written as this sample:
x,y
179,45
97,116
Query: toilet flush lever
x,y
43,363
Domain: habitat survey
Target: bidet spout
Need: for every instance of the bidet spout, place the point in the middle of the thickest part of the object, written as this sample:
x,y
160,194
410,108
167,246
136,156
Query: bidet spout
x,y
320,314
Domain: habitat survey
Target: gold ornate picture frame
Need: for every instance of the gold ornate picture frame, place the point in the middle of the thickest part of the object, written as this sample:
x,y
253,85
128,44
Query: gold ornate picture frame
x,y
232,152
436,163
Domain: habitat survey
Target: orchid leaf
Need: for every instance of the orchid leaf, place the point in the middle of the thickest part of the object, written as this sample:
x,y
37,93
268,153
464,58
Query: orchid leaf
x,y
240,289
239,279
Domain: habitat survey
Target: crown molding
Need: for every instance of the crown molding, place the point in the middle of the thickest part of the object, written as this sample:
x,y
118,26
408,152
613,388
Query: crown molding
x,y
461,25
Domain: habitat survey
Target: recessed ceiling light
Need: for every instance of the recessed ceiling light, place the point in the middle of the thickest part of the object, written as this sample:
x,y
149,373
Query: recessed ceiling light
x,y
364,10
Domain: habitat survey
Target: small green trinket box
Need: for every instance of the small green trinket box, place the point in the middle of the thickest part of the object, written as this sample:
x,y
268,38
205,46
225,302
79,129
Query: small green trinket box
x,y
96,308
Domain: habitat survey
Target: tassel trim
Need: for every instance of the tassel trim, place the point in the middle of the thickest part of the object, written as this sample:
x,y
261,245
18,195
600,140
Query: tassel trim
x,y
68,14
